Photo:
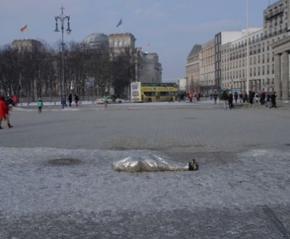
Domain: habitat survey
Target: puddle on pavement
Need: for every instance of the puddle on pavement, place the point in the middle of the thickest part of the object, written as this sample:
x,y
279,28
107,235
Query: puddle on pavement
x,y
64,162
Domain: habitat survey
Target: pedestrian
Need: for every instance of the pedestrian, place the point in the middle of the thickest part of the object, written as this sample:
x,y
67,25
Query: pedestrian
x,y
106,101
230,100
190,97
251,97
236,97
268,97
257,98
15,100
39,105
70,98
4,112
241,97
77,100
225,98
215,96
263,98
273,100
245,98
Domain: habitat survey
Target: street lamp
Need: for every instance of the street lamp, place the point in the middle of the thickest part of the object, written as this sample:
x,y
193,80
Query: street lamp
x,y
62,19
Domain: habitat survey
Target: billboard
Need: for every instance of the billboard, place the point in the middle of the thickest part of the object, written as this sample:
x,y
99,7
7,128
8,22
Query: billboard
x,y
136,92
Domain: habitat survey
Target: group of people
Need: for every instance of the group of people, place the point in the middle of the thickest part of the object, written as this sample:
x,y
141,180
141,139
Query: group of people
x,y
267,99
70,99
5,106
40,103
192,96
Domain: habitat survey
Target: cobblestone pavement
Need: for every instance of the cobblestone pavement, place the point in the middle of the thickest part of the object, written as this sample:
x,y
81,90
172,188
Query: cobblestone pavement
x,y
165,127
56,179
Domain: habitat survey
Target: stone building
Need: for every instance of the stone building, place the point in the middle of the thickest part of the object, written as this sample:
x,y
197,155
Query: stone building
x,y
222,38
255,59
147,67
234,63
97,41
27,45
122,43
150,70
193,70
268,57
207,68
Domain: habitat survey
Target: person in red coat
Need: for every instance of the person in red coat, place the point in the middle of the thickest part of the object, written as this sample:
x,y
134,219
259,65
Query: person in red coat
x,y
4,112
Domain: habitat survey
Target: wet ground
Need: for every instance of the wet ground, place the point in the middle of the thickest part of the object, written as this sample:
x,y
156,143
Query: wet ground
x,y
241,190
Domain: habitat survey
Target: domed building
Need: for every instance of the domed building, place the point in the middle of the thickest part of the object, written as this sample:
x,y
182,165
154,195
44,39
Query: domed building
x,y
97,41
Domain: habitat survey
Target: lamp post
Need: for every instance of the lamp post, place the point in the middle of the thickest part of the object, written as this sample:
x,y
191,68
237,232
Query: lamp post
x,y
62,19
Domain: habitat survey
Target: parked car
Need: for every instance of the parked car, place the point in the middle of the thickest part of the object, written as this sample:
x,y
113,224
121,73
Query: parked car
x,y
103,99
119,100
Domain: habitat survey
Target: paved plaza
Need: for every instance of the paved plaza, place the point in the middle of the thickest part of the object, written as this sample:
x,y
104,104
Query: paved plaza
x,y
56,177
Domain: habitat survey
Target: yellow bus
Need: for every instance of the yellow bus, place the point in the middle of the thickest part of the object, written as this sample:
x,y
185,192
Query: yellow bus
x,y
153,92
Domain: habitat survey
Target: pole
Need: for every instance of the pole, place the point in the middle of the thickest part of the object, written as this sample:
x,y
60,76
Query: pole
x,y
248,51
63,97
61,18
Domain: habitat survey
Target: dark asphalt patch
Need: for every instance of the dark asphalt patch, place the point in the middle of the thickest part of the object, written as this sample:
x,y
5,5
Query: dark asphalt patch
x,y
64,162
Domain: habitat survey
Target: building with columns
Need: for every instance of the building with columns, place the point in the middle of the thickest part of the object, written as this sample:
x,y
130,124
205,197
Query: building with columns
x,y
266,67
281,55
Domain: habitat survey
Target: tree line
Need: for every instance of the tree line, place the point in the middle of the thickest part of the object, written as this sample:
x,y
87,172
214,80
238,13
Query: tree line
x,y
36,72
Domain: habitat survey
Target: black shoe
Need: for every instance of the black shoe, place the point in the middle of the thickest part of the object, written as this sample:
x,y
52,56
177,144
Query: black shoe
x,y
1,127
10,126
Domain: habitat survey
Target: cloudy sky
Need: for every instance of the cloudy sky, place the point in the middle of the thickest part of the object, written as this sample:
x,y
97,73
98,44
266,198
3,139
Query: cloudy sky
x,y
168,27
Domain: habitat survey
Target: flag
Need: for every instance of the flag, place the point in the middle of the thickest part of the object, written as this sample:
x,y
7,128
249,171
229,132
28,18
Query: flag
x,y
24,28
119,23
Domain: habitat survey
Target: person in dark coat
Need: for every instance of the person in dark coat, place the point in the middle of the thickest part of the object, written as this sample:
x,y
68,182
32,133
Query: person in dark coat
x,y
236,96
273,100
251,97
230,100
70,98
263,98
77,100
215,96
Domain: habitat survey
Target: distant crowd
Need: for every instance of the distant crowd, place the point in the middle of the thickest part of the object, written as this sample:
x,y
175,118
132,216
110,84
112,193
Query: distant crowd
x,y
263,98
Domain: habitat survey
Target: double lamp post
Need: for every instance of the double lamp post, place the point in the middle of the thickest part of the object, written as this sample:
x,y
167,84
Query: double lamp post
x,y
62,20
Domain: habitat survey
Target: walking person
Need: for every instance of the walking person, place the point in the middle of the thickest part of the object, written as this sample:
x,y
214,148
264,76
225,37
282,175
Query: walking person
x,y
251,97
241,97
230,100
4,112
39,105
225,98
263,98
236,96
273,100
215,96
70,98
77,100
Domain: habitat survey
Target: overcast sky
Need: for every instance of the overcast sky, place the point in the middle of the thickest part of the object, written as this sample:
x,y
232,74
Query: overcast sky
x,y
168,27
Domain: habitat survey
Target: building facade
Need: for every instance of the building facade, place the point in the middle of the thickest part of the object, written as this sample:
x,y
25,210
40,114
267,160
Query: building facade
x,y
147,67
255,59
193,70
27,45
150,69
122,43
207,68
